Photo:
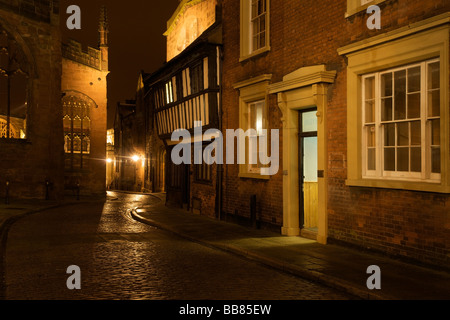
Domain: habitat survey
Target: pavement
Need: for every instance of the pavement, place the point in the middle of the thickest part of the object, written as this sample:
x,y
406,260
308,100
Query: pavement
x,y
332,265
336,266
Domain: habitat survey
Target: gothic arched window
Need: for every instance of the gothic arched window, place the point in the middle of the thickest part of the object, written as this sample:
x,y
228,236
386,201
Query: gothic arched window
x,y
77,124
13,88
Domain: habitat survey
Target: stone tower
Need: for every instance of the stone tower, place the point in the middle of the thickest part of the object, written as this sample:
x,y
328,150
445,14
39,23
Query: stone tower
x,y
84,85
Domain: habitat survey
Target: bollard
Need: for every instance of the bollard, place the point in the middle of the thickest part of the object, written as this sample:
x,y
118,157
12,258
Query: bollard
x,y
7,193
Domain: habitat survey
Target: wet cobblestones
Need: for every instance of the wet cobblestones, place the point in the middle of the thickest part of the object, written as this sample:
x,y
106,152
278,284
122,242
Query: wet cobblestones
x,y
123,259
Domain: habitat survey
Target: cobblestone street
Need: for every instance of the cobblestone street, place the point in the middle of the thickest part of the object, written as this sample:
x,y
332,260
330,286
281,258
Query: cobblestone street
x,y
121,258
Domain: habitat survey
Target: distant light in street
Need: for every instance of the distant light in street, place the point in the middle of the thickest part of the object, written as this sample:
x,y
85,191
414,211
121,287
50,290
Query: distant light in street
x,y
109,160
135,158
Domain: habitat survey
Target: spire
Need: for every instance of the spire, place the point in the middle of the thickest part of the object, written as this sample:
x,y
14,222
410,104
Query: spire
x,y
103,27
103,30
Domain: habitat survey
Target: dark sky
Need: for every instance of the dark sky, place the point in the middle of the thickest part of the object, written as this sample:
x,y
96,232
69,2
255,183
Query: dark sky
x,y
136,40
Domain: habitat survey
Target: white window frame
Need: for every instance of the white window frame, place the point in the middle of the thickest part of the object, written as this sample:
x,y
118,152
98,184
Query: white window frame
x,y
246,30
252,91
419,41
425,121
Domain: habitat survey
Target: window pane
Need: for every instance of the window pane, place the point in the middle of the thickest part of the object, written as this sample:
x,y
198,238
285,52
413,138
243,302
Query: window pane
x,y
371,160
371,136
18,106
389,134
67,123
434,103
389,159
414,79
416,133
310,159
259,118
255,42
403,134
436,160
414,106
400,95
256,114
434,75
403,159
262,40
435,132
369,88
77,124
370,111
386,85
416,159
386,109
309,121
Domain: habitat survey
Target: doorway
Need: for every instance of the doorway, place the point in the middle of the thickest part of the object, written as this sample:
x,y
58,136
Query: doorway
x,y
308,173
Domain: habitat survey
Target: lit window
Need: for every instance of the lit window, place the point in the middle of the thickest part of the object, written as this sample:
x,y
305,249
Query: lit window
x,y
77,130
169,92
253,122
401,122
13,89
255,125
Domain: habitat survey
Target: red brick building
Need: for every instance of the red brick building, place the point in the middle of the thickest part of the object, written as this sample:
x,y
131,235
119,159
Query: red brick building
x,y
363,116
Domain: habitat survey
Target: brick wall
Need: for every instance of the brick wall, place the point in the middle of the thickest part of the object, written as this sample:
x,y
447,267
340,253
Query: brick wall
x,y
304,33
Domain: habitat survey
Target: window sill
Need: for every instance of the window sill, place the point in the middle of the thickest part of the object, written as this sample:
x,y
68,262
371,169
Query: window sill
x,y
250,175
401,185
352,11
254,53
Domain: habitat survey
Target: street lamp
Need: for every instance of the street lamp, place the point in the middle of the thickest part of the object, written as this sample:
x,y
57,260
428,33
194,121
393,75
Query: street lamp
x,y
135,158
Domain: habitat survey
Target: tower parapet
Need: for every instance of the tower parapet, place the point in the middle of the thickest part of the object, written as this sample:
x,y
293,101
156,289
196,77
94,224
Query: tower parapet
x,y
74,51
93,57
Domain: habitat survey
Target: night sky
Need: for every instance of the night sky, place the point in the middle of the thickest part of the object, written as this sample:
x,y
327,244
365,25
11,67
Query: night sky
x,y
136,40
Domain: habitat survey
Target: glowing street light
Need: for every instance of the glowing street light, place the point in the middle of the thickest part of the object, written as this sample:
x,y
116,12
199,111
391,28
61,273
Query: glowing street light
x,y
109,160
135,158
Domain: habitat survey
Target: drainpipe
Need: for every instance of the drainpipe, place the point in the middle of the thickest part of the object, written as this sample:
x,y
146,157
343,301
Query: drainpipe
x,y
220,166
